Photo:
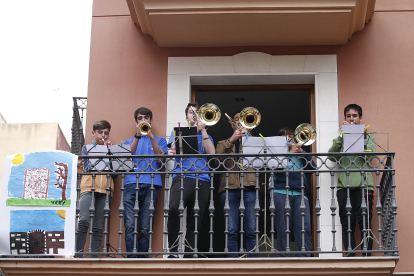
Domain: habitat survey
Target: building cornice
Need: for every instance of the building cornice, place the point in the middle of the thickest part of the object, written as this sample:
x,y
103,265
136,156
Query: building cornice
x,y
216,23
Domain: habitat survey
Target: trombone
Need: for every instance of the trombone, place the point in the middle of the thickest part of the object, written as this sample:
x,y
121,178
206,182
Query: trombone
x,y
209,114
305,134
231,121
250,117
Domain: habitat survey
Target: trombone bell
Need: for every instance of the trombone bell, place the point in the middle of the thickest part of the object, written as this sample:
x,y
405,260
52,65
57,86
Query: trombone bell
x,y
209,114
250,117
144,128
305,134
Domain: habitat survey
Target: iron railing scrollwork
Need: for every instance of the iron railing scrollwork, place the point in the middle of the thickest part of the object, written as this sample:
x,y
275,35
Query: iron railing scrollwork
x,y
212,238
79,111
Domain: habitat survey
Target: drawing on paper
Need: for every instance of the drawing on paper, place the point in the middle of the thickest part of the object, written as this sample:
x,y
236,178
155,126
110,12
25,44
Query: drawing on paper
x,y
37,231
40,179
36,182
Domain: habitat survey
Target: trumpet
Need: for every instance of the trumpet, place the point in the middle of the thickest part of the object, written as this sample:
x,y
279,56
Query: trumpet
x,y
250,117
305,134
209,114
144,128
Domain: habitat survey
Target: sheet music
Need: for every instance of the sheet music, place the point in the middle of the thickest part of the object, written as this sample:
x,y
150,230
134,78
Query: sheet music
x,y
256,145
110,164
122,164
353,139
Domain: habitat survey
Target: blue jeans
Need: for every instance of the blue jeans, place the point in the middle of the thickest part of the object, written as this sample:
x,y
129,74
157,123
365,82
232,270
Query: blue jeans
x,y
295,223
131,224
249,220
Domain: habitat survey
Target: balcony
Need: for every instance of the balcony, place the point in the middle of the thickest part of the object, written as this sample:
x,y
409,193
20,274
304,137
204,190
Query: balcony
x,y
326,255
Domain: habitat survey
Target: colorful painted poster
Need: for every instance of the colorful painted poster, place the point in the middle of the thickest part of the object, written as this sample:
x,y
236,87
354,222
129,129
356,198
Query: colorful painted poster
x,y
37,231
37,211
40,179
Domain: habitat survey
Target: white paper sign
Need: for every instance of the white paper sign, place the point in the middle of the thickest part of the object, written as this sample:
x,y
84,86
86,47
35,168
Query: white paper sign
x,y
270,145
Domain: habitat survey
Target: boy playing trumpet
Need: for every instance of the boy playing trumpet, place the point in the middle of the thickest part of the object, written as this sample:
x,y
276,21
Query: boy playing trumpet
x,y
142,145
357,194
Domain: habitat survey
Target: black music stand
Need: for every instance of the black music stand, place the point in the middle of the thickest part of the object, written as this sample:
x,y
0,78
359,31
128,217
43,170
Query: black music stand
x,y
110,164
187,140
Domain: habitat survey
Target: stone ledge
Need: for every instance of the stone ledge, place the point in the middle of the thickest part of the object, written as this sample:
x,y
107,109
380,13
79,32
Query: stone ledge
x,y
158,266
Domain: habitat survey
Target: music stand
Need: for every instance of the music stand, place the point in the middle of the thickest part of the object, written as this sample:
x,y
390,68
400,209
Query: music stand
x,y
355,141
187,140
110,164
259,145
354,138
107,163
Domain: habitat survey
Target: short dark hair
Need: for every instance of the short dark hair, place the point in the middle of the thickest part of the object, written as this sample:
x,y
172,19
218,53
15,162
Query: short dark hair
x,y
195,105
355,107
234,114
144,111
101,124
285,131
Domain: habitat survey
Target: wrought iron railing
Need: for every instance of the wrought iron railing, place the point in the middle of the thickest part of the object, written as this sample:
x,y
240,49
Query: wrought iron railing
x,y
212,239
79,111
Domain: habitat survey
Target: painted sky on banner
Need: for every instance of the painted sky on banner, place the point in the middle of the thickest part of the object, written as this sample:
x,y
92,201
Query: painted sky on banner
x,y
40,160
26,220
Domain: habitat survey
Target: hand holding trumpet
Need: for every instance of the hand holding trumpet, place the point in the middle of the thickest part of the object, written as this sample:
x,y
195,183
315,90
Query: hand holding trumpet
x,y
144,129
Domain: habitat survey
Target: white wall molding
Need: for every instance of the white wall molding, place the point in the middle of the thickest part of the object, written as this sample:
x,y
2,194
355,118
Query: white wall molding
x,y
251,68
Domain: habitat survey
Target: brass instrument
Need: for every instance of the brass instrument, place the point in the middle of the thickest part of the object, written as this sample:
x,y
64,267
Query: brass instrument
x,y
250,117
144,128
209,114
305,134
231,121
194,115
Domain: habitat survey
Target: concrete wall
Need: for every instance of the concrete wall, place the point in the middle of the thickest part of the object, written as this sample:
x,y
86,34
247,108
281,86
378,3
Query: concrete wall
x,y
375,69
25,138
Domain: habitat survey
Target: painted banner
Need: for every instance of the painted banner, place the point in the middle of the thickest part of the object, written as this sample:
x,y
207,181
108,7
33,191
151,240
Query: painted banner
x,y
38,204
